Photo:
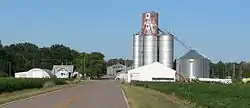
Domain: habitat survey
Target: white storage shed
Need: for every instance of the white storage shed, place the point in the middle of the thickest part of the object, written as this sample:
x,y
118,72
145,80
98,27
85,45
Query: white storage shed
x,y
21,75
155,72
35,73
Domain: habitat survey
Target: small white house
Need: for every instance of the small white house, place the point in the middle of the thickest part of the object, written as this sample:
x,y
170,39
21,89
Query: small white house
x,y
35,73
63,71
62,74
155,72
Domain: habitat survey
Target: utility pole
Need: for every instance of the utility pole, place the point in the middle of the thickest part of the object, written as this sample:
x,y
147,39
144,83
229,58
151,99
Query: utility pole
x,y
33,63
225,73
84,58
81,67
233,76
241,70
9,68
125,65
84,64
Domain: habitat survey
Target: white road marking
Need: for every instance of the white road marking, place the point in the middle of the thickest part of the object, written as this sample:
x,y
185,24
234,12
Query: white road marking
x,y
125,98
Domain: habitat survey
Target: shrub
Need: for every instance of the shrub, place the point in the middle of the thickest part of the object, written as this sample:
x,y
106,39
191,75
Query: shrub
x,y
48,84
59,81
15,84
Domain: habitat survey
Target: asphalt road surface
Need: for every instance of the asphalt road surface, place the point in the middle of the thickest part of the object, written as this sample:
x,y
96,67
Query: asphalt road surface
x,y
92,94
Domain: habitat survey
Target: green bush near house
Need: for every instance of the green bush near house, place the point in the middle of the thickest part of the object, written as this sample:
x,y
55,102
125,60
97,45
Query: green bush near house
x,y
206,94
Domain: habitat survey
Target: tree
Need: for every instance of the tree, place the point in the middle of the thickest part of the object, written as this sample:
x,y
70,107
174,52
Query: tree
x,y
25,56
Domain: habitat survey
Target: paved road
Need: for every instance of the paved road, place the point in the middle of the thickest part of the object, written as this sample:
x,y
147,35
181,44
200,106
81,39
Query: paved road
x,y
93,94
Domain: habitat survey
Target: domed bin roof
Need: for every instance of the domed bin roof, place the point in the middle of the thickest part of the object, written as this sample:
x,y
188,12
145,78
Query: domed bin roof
x,y
192,54
39,73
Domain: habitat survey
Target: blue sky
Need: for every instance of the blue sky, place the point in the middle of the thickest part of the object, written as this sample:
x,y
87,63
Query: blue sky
x,y
219,29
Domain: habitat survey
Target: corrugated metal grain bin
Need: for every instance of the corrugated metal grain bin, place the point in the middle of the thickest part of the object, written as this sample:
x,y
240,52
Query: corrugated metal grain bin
x,y
193,65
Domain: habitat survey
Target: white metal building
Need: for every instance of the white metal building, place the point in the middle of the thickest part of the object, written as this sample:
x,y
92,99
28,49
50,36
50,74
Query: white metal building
x,y
35,73
117,68
121,76
21,74
152,72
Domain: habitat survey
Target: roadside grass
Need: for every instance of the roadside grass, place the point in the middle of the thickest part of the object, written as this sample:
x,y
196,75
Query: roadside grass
x,y
139,97
16,95
207,95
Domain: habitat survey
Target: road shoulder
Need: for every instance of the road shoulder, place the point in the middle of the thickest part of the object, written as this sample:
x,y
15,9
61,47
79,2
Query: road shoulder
x,y
139,97
30,93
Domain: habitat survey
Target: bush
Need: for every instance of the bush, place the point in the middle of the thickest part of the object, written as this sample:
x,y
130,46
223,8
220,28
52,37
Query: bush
x,y
60,81
206,95
48,84
15,84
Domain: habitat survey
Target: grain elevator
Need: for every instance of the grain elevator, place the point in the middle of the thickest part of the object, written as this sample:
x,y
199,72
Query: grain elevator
x,y
151,44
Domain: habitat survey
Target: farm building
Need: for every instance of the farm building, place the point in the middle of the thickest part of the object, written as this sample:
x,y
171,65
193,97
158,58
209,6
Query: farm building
x,y
193,65
152,72
35,73
21,74
117,68
62,74
121,75
63,71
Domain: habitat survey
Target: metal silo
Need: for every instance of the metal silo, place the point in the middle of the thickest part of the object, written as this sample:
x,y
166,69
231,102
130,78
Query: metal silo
x,y
149,49
137,49
193,65
166,50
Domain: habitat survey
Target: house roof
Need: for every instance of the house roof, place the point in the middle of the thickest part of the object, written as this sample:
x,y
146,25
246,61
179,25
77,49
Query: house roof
x,y
117,64
192,54
69,68
49,72
45,70
152,68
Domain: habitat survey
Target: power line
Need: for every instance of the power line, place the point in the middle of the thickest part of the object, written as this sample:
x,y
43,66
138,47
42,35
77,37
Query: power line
x,y
177,39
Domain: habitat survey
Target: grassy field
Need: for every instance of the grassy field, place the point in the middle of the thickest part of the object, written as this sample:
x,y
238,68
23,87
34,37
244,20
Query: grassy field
x,y
139,97
206,95
24,93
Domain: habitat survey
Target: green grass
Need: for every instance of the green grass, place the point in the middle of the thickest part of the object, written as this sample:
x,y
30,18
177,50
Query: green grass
x,y
206,95
139,97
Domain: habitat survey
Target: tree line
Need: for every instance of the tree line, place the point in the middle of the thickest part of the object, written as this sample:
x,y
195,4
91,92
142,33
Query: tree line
x,y
22,57
230,69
